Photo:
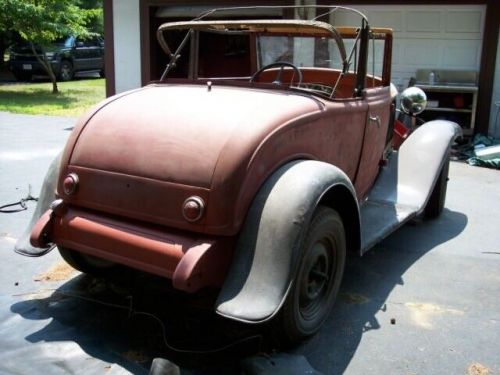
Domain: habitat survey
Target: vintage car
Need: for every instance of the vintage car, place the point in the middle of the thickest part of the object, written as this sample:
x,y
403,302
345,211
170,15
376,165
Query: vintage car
x,y
261,158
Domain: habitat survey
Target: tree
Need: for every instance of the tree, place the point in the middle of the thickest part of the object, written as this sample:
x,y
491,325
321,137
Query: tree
x,y
94,15
7,36
41,22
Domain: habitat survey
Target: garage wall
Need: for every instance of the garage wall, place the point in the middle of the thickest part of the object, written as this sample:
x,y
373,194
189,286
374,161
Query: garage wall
x,y
127,48
427,36
495,102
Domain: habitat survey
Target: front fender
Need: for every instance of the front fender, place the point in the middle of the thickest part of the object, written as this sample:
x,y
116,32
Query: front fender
x,y
421,158
47,196
268,248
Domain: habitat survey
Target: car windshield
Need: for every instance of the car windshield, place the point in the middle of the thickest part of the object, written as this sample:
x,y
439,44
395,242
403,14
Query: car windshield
x,y
300,51
67,41
319,52
333,58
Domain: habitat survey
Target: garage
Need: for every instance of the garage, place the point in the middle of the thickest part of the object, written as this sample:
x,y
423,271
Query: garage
x,y
437,35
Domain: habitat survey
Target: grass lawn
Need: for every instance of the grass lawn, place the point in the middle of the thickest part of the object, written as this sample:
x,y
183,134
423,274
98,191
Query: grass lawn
x,y
74,98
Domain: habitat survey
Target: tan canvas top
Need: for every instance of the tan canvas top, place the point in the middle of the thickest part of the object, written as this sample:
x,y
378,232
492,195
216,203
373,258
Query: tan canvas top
x,y
297,27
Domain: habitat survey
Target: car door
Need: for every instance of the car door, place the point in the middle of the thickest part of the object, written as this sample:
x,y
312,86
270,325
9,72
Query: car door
x,y
80,55
374,139
94,54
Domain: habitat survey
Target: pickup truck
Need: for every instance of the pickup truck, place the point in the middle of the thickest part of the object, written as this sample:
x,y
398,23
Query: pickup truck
x,y
67,56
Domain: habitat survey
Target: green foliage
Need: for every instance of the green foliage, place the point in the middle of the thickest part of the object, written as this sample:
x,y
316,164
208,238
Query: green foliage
x,y
94,15
43,21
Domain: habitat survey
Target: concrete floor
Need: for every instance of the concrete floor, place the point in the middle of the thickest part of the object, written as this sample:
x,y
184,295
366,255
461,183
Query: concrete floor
x,y
437,281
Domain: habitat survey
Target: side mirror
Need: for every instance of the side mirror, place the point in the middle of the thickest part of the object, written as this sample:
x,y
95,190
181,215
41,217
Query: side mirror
x,y
413,101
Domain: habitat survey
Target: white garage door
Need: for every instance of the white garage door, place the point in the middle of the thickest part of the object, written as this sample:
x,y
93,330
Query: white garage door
x,y
427,36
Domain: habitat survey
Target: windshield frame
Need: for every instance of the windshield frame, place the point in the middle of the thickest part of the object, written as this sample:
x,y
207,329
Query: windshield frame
x,y
362,36
256,27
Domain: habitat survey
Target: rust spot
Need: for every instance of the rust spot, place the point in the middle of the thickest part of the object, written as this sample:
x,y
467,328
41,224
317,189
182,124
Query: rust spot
x,y
58,272
478,369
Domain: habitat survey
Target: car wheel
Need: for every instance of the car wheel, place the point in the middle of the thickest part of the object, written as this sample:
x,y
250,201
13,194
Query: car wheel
x,y
66,71
318,279
22,76
102,74
85,263
435,205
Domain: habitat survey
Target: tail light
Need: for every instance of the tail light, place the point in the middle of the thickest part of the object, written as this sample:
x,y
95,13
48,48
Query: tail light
x,y
70,184
193,209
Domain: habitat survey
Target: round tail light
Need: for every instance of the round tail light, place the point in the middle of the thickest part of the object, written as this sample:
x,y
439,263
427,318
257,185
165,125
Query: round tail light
x,y
193,209
70,184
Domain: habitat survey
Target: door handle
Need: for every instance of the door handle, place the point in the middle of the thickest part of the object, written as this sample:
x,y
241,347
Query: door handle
x,y
376,120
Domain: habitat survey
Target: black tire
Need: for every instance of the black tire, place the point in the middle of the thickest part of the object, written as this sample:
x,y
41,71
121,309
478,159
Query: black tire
x,y
318,279
66,71
102,74
22,76
435,205
86,263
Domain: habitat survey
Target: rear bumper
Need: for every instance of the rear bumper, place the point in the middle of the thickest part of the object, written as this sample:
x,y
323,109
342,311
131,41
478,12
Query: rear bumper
x,y
190,262
31,67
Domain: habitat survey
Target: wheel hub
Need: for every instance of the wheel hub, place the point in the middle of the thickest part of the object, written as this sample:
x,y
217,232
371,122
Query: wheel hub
x,y
315,278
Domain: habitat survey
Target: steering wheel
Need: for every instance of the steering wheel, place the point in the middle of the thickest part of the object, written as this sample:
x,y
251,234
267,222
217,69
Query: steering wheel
x,y
281,64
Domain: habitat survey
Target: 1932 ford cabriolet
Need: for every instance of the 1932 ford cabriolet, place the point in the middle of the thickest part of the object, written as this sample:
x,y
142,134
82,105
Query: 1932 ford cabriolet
x,y
259,160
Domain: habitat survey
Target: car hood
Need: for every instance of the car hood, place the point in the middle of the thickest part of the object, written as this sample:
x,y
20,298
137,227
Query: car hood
x,y
180,133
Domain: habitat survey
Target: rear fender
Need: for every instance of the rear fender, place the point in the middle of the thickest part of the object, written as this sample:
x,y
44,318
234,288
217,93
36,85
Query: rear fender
x,y
47,196
268,249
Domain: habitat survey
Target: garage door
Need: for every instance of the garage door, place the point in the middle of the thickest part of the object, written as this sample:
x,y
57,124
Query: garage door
x,y
437,37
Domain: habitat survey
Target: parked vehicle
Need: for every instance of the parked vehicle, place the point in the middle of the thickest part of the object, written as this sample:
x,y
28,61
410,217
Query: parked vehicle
x,y
256,174
67,56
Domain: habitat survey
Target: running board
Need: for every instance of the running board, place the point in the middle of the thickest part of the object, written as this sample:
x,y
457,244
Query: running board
x,y
382,213
403,187
379,219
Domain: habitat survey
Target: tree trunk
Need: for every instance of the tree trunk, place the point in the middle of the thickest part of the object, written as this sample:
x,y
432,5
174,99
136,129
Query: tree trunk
x,y
46,66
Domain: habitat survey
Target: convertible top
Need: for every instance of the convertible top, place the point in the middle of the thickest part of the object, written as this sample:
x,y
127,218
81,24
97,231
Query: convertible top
x,y
268,26
289,27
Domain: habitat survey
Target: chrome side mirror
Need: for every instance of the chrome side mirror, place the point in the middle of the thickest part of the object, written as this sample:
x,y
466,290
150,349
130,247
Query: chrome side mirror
x,y
413,101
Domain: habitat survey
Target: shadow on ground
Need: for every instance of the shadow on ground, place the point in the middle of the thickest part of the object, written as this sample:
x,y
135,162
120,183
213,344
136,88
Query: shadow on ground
x,y
132,318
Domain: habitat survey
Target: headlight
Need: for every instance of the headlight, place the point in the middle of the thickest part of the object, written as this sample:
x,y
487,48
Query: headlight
x,y
50,55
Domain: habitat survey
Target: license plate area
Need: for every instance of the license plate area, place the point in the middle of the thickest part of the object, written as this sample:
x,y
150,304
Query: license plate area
x,y
27,67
